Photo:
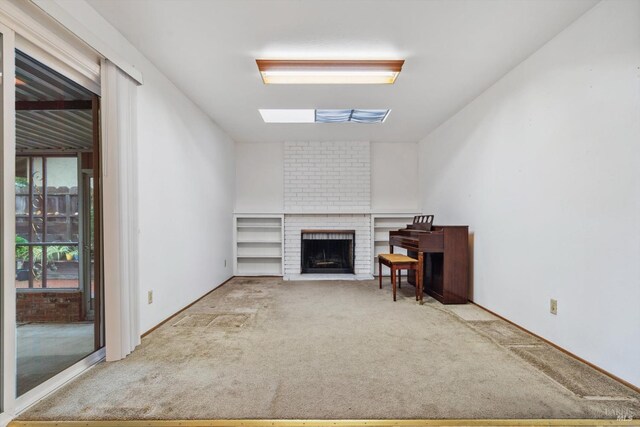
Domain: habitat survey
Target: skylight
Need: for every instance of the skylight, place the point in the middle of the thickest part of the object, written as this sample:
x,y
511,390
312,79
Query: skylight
x,y
357,116
323,116
288,116
333,116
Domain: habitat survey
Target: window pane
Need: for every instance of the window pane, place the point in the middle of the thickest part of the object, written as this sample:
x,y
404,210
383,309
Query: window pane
x,y
36,187
62,172
22,228
62,199
22,205
63,267
37,228
22,175
58,229
36,266
56,204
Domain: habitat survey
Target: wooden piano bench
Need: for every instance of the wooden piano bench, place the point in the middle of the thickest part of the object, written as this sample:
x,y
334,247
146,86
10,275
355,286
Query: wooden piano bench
x,y
396,263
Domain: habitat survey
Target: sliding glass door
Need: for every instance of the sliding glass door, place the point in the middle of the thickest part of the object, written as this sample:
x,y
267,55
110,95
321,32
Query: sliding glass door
x,y
51,291
57,223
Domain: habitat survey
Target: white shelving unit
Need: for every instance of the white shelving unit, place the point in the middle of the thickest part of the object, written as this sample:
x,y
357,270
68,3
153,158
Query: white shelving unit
x,y
258,245
381,224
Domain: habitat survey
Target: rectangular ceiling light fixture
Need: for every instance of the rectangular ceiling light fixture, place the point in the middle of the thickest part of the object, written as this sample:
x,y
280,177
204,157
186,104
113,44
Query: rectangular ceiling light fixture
x,y
275,71
323,116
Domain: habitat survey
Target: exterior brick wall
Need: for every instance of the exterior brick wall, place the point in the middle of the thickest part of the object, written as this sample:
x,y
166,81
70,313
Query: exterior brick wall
x,y
52,306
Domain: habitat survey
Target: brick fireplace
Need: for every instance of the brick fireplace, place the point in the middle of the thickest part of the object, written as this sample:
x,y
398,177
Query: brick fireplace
x,y
327,187
360,224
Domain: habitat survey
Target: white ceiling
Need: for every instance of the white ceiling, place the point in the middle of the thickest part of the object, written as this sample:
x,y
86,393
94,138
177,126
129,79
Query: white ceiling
x,y
454,49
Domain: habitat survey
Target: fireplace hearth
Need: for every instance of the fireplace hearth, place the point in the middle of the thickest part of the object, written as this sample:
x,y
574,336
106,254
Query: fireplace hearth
x,y
328,251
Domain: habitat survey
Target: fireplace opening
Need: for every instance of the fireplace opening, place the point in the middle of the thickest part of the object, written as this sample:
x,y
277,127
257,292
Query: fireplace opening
x,y
328,251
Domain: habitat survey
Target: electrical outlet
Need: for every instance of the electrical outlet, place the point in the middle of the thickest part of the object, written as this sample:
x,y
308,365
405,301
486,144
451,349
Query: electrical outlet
x,y
554,306
150,297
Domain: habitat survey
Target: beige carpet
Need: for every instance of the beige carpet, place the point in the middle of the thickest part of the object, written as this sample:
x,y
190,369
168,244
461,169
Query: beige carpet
x,y
265,348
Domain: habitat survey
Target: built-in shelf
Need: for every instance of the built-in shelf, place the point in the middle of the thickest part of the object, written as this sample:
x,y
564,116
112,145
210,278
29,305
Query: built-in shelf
x,y
380,226
258,245
259,241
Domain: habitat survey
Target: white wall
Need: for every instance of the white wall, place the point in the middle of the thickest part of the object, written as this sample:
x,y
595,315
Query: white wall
x,y
544,167
186,194
259,177
394,176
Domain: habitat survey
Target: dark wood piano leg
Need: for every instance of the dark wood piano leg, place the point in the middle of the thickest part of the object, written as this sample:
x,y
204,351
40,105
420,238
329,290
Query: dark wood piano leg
x,y
380,272
393,282
417,281
420,278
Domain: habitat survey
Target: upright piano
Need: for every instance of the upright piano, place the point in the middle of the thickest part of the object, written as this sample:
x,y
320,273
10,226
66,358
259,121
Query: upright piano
x,y
443,258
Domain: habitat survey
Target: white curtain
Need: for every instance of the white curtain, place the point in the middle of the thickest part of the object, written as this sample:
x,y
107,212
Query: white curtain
x,y
120,211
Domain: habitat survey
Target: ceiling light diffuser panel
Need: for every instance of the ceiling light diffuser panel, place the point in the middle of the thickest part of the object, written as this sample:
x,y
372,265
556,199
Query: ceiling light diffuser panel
x,y
329,71
356,116
323,116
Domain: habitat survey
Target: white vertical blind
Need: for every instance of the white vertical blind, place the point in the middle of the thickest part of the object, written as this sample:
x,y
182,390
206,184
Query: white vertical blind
x,y
119,184
7,224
